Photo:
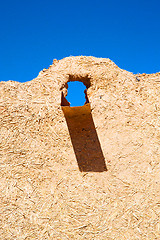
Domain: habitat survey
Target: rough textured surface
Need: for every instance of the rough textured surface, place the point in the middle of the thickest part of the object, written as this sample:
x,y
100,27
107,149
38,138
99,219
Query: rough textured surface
x,y
46,192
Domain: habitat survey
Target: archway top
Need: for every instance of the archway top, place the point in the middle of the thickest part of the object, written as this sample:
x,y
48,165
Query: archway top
x,y
91,71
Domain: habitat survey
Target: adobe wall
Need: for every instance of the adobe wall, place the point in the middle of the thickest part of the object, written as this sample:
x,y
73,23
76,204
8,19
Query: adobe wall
x,y
95,176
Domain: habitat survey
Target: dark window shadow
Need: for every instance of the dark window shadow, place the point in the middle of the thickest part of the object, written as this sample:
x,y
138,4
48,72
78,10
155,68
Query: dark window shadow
x,y
84,138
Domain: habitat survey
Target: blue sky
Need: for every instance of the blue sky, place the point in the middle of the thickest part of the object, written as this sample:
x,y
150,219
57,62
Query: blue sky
x,y
34,32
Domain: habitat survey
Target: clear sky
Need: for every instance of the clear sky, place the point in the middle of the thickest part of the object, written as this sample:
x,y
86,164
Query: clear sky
x,y
34,32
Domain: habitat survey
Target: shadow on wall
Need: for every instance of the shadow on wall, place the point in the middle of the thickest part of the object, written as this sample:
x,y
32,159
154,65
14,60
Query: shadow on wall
x,y
84,138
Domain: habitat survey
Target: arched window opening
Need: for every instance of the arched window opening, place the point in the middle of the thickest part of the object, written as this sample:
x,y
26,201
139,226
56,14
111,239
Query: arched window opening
x,y
77,95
